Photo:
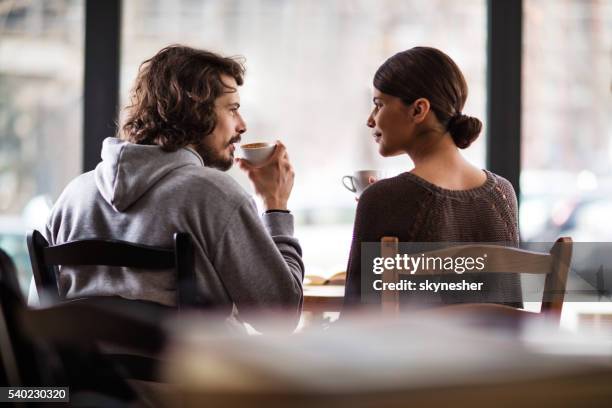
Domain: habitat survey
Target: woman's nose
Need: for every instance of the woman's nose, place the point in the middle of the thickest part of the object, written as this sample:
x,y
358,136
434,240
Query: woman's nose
x,y
370,122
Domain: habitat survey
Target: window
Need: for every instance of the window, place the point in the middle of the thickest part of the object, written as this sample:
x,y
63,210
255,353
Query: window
x,y
41,64
310,66
566,177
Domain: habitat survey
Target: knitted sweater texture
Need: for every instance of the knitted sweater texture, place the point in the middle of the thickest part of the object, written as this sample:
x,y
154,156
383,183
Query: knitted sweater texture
x,y
415,210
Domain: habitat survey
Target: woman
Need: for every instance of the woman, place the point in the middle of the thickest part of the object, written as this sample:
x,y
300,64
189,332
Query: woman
x,y
419,96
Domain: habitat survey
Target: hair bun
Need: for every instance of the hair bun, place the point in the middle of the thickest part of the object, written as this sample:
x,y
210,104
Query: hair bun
x,y
464,129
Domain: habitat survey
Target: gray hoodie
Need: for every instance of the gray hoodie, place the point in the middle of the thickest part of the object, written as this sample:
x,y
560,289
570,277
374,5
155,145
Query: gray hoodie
x,y
143,194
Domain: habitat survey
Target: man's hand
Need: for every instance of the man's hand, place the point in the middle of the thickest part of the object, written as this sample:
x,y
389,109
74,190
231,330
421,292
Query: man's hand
x,y
273,179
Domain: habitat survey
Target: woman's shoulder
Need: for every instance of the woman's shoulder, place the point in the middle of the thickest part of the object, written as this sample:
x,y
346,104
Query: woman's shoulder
x,y
504,191
502,184
501,180
390,207
392,190
408,187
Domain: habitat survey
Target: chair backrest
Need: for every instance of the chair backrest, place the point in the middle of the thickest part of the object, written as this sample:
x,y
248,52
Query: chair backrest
x,y
500,259
85,334
59,345
76,335
45,260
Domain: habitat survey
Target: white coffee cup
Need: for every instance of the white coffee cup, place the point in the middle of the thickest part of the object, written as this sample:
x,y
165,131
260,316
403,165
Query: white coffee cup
x,y
256,153
360,180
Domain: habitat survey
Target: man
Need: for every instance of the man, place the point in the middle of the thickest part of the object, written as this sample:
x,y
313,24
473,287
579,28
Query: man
x,y
165,174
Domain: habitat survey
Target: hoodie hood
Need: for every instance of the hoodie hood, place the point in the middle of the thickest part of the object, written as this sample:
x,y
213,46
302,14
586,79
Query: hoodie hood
x,y
129,170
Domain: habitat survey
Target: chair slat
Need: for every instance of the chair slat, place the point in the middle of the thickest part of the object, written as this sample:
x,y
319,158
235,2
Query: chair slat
x,y
499,259
109,253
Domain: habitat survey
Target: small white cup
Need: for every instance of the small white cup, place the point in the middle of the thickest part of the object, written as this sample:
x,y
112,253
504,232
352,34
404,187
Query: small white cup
x,y
360,180
256,153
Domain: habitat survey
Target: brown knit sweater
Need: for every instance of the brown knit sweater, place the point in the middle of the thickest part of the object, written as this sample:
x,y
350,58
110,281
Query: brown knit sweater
x,y
415,210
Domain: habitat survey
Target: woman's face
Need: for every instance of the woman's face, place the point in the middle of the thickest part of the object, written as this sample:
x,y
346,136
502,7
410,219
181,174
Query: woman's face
x,y
392,124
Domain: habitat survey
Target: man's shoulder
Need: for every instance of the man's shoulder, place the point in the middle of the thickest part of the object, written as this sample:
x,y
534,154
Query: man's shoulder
x,y
209,182
78,193
79,185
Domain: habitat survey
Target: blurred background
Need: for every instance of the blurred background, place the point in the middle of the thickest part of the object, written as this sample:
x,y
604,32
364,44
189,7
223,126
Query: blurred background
x,y
310,65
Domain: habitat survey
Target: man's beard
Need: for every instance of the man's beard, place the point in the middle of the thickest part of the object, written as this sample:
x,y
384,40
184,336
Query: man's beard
x,y
215,159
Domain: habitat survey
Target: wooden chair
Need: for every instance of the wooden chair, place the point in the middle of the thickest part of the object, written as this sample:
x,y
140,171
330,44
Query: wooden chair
x,y
132,331
45,260
60,345
500,259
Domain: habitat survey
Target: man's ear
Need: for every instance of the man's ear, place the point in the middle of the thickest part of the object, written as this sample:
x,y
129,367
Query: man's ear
x,y
420,110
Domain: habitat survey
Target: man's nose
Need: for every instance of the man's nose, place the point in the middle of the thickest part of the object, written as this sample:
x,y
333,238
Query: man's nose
x,y
241,126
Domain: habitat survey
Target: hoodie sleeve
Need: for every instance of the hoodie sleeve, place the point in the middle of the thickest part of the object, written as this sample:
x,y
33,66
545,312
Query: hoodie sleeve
x,y
260,264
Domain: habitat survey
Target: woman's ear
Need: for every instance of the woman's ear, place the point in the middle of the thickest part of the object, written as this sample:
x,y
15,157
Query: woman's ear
x,y
421,108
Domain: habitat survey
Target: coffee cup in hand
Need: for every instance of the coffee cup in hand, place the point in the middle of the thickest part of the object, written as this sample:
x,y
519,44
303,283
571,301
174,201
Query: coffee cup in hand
x,y
362,179
256,153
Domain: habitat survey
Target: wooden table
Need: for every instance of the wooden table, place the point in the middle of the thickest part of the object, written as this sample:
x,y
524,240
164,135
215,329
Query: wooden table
x,y
323,298
373,362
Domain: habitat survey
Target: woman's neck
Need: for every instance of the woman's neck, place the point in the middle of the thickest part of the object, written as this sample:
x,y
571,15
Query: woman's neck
x,y
439,162
435,148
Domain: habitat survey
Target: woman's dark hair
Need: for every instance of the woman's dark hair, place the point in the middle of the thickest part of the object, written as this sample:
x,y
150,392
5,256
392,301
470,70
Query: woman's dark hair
x,y
424,72
172,102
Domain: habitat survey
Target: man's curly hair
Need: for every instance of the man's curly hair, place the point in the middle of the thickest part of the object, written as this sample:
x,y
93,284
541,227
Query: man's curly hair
x,y
172,102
